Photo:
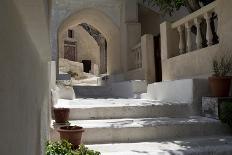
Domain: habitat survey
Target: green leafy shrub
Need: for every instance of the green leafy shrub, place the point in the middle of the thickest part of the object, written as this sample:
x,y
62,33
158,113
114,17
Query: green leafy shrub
x,y
85,151
65,148
222,66
226,113
170,6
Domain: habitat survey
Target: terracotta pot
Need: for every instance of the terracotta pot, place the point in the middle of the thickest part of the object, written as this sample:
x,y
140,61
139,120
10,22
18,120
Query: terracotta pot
x,y
220,86
72,134
61,115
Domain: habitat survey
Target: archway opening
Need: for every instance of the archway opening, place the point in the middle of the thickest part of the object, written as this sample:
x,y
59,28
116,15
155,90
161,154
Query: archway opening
x,y
83,53
93,22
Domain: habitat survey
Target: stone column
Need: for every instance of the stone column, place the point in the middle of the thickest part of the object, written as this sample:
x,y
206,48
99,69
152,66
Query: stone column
x,y
130,30
169,41
103,54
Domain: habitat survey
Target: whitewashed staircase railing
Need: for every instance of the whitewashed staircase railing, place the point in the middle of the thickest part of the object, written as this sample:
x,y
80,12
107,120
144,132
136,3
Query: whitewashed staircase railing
x,y
184,26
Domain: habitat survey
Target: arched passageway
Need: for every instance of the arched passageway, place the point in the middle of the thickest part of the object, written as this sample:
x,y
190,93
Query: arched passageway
x,y
104,25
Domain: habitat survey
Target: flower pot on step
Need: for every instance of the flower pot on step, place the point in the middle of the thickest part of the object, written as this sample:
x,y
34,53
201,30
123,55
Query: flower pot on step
x,y
72,134
220,86
61,115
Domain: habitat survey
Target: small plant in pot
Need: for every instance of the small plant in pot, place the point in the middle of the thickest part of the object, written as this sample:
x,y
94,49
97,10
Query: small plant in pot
x,y
61,115
73,134
220,82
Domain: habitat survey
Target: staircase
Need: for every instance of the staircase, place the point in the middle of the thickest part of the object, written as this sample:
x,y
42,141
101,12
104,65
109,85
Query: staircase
x,y
120,126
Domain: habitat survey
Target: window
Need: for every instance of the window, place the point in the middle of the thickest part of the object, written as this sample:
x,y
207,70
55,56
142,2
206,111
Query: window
x,y
70,33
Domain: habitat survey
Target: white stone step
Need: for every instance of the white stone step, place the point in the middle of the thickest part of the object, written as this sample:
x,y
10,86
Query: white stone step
x,y
182,91
195,146
147,129
123,89
122,108
92,91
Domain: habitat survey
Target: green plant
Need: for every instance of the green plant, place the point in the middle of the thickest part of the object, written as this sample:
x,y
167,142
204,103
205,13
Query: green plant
x,y
65,148
226,113
169,6
166,6
222,67
85,151
59,148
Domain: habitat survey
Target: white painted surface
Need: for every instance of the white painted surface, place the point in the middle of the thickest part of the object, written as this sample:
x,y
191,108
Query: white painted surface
x,y
127,89
179,91
147,129
199,146
86,109
53,74
189,91
24,79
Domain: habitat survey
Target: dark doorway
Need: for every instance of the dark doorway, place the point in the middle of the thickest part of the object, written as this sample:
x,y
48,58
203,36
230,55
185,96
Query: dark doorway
x,y
86,65
157,54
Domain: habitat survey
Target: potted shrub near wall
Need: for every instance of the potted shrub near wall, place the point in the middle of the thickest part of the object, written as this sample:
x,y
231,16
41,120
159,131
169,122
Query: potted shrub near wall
x,y
61,115
220,82
73,134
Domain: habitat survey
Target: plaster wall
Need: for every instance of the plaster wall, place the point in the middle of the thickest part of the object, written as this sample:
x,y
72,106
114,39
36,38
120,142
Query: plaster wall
x,y
187,91
24,56
150,21
130,31
105,25
87,47
138,74
190,65
62,9
224,26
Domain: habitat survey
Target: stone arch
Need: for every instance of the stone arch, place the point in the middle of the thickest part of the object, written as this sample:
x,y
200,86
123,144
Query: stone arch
x,y
106,26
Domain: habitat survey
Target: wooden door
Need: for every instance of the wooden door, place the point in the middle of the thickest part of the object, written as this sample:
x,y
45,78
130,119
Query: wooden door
x,y
70,51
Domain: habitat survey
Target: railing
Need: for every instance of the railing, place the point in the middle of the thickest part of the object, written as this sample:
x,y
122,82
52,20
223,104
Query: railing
x,y
136,57
196,20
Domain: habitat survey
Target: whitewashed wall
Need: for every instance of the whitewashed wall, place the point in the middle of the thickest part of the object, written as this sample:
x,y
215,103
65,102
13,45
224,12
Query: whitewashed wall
x,y
24,79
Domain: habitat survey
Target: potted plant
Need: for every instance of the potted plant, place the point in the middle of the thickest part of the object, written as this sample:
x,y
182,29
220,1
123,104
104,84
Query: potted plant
x,y
72,134
220,82
61,115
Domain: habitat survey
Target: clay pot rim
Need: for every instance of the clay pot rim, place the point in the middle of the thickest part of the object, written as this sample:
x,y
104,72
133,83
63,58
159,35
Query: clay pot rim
x,y
61,109
79,129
